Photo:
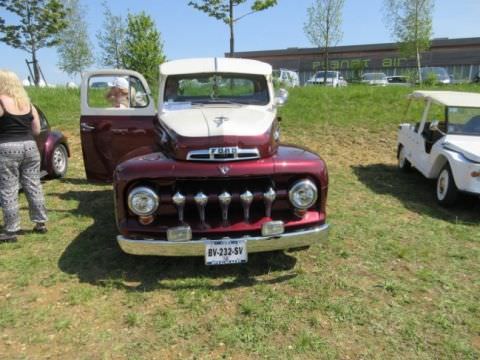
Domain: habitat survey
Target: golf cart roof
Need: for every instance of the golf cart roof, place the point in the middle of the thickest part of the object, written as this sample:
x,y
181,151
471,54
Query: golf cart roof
x,y
449,98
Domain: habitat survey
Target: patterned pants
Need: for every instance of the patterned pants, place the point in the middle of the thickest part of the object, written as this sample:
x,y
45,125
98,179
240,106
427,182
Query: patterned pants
x,y
20,163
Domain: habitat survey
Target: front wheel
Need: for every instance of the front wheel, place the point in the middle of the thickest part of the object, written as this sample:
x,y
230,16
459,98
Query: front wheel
x,y
447,191
59,161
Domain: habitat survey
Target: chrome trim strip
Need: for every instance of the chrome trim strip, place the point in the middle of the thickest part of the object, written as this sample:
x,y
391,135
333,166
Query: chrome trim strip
x,y
291,240
211,157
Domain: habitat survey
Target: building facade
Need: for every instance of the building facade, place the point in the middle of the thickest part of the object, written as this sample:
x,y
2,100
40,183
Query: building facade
x,y
461,58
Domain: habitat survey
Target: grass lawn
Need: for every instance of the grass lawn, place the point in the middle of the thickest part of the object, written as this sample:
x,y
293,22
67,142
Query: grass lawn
x,y
398,278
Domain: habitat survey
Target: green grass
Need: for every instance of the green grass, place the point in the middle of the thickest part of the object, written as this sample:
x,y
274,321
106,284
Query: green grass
x,y
398,278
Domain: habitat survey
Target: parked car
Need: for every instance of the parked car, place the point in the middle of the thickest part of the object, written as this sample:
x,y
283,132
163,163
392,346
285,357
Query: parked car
x,y
100,85
440,74
286,77
334,79
379,79
445,143
54,150
398,80
207,174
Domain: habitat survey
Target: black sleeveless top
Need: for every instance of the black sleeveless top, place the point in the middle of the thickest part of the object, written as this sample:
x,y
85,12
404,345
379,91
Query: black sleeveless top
x,y
15,128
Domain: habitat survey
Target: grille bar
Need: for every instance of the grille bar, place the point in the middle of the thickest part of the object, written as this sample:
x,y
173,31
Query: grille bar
x,y
224,200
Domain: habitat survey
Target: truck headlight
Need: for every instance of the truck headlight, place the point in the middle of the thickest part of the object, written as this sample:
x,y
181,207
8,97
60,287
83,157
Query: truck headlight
x,y
143,201
303,194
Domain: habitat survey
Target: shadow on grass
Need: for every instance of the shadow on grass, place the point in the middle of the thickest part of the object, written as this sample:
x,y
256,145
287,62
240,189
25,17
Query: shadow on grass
x,y
416,193
95,257
82,181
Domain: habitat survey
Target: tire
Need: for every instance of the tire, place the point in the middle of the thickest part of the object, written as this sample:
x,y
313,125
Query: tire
x,y
403,163
446,190
59,161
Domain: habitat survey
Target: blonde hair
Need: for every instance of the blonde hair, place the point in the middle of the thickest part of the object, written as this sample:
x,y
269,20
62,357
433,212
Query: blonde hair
x,y
11,86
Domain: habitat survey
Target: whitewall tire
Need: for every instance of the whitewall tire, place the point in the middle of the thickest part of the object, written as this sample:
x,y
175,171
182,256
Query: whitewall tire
x,y
446,190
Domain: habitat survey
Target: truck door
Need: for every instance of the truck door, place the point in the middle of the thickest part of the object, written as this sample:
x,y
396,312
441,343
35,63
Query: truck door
x,y
117,117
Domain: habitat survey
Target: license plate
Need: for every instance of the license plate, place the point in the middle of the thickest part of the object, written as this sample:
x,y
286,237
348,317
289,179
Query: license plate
x,y
224,252
223,151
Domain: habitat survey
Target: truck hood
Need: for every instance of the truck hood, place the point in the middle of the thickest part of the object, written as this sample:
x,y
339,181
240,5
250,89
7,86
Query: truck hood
x,y
202,128
469,146
218,121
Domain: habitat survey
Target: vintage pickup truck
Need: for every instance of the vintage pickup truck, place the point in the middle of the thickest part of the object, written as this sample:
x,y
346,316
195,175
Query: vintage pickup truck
x,y
206,175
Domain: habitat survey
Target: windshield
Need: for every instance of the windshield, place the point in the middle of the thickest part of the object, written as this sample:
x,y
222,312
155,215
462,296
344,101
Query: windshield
x,y
374,76
330,74
217,88
464,121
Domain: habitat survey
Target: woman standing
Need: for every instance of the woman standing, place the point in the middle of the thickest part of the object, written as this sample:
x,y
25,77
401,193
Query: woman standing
x,y
19,157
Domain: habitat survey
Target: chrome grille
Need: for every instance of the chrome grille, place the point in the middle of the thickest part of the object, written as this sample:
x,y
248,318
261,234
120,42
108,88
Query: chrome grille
x,y
238,154
220,204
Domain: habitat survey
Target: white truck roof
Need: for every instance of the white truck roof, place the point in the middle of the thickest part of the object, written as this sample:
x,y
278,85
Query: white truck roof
x,y
449,98
212,65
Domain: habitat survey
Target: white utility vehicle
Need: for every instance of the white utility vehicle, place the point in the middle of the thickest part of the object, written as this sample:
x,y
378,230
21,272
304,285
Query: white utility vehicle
x,y
445,144
287,78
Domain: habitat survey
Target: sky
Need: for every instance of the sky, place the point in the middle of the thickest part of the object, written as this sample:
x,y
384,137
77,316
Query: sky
x,y
187,32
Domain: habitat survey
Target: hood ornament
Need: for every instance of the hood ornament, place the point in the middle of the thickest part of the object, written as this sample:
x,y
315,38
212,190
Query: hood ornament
x,y
220,120
224,169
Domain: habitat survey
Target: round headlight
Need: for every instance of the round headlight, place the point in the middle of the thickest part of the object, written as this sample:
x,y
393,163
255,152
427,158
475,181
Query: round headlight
x,y
303,194
143,201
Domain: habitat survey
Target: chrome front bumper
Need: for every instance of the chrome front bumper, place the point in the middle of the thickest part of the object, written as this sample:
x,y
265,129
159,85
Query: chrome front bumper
x,y
291,240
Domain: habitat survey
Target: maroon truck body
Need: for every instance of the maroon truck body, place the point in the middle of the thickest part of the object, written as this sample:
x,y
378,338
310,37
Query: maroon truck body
x,y
224,197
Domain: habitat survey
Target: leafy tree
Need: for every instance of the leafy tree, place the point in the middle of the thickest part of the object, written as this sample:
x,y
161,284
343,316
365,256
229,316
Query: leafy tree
x,y
225,10
40,22
324,26
111,39
74,52
410,22
143,51
358,68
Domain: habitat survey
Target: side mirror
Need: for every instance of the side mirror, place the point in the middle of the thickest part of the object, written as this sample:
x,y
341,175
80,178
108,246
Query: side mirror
x,y
341,78
281,97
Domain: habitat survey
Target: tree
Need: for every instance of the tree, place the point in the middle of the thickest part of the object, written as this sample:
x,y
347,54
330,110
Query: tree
x,y
111,39
324,26
143,51
410,22
225,10
74,52
40,22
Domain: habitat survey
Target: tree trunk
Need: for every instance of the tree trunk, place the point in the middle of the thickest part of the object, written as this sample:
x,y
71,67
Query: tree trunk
x,y
36,73
232,35
419,67
325,65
